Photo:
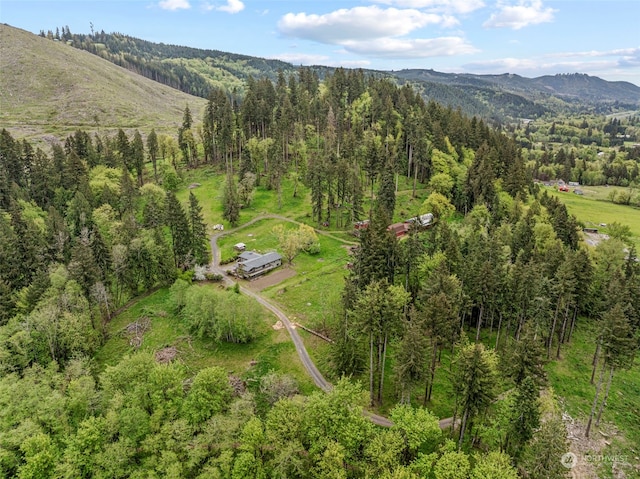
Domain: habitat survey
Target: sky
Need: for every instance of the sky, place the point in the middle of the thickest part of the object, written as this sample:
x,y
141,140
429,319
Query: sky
x,y
526,37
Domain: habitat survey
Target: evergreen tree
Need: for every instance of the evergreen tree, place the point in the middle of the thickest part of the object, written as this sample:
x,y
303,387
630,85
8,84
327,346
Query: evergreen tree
x,y
198,229
377,314
128,194
83,267
474,382
386,199
28,247
411,355
230,201
375,258
137,156
524,414
123,148
12,273
542,458
620,344
178,224
153,150
481,176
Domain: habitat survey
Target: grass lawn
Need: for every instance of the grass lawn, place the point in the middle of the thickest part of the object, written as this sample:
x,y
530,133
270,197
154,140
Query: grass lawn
x,y
265,201
313,292
272,350
570,378
593,208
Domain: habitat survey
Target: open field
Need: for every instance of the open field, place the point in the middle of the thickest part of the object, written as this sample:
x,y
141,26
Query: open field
x,y
272,350
592,209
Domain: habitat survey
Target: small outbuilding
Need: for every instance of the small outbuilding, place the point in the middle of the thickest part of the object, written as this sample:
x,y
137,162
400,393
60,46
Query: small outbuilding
x,y
399,229
423,221
240,246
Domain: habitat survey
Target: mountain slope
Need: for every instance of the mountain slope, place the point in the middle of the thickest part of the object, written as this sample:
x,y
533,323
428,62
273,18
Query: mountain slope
x,y
568,87
48,87
498,97
191,70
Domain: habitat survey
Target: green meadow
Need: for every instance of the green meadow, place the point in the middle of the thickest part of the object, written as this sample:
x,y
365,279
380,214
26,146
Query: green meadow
x,y
593,209
272,350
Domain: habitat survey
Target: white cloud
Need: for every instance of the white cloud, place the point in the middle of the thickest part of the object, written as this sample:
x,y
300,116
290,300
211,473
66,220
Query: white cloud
x,y
352,63
232,6
410,47
174,5
378,32
621,52
599,63
311,59
302,58
525,13
358,24
450,6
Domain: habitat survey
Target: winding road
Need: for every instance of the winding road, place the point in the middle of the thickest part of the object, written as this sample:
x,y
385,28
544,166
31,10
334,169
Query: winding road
x,y
308,363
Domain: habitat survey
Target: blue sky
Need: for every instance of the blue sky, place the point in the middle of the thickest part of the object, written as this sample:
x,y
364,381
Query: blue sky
x,y
526,37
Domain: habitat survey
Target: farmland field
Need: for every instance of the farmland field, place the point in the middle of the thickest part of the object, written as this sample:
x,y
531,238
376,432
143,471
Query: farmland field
x,y
593,209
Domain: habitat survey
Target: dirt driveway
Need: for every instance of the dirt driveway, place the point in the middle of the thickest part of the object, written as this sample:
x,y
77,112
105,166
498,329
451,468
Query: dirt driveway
x,y
270,279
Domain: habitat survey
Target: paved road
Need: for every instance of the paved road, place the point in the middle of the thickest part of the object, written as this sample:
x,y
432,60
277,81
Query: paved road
x,y
308,363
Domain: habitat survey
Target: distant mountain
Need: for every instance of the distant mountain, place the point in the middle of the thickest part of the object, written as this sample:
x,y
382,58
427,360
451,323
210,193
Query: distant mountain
x,y
575,91
46,82
49,88
497,97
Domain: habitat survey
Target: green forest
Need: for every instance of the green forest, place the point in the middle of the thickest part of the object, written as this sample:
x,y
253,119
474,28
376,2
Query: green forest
x,y
476,311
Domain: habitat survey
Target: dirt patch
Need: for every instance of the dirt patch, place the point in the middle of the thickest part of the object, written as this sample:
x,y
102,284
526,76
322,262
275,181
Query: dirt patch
x,y
135,331
271,279
278,326
589,451
593,239
238,385
166,355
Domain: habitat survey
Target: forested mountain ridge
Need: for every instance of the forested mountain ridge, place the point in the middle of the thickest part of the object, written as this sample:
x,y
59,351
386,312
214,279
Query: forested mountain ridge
x,y
497,97
47,88
565,86
192,70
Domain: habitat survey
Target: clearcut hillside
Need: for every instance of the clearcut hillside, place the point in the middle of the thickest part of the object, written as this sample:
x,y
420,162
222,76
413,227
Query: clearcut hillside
x,y
48,89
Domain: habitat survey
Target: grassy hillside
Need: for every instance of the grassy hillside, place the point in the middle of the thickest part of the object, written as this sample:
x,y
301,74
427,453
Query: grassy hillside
x,y
50,88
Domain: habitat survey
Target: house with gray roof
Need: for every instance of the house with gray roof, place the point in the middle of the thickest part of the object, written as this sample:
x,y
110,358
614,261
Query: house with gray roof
x,y
251,264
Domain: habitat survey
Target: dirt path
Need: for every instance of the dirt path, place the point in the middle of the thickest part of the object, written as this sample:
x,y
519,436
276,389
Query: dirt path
x,y
307,362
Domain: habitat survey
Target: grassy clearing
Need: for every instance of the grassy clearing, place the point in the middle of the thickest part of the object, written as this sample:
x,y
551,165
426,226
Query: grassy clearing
x,y
592,209
258,237
265,201
272,350
570,380
311,295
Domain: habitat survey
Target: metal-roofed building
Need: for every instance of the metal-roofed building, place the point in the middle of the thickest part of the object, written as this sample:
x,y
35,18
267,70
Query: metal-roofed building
x,y
252,264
